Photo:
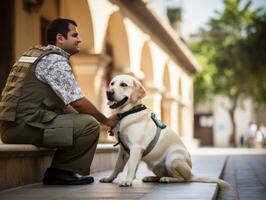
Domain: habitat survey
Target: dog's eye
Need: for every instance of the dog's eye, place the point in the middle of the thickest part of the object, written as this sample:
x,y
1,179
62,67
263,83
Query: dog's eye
x,y
112,83
123,84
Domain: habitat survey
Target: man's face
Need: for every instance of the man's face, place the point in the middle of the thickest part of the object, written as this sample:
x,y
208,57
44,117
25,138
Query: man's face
x,y
71,44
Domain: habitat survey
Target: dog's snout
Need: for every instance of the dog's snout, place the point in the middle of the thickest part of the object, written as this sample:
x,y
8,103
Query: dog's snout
x,y
110,94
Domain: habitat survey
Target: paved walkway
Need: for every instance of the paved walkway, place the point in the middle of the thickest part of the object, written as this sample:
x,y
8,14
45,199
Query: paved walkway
x,y
247,174
203,165
245,170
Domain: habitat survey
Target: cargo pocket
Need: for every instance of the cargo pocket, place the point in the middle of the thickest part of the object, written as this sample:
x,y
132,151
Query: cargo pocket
x,y
57,131
48,116
58,137
49,104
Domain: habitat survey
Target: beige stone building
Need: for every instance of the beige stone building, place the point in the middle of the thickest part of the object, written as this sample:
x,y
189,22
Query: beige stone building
x,y
118,37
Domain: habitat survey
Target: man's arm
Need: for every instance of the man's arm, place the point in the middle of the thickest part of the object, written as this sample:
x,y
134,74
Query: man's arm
x,y
69,109
58,74
83,105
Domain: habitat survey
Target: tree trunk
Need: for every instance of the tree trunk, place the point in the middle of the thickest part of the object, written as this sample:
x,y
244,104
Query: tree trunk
x,y
231,111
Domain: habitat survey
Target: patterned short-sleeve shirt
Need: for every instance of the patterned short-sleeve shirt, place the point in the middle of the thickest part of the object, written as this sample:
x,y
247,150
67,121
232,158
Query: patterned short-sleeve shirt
x,y
55,70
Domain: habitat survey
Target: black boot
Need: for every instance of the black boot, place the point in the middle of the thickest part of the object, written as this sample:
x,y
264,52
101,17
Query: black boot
x,y
55,176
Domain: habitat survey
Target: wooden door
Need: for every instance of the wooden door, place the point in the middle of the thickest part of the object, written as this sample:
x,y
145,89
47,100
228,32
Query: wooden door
x,y
203,128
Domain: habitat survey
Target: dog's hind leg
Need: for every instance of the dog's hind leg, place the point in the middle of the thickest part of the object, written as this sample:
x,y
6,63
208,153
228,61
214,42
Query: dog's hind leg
x,y
180,170
166,179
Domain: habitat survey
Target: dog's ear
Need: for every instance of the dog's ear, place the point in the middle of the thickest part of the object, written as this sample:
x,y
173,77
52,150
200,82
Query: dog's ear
x,y
139,92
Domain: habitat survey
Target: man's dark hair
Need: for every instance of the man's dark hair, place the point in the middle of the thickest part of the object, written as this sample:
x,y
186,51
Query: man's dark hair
x,y
59,25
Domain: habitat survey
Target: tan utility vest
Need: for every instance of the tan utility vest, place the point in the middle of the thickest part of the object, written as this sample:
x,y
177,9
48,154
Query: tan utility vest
x,y
24,97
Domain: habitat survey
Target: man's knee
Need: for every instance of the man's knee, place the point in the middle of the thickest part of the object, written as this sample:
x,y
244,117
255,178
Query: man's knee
x,y
91,125
86,125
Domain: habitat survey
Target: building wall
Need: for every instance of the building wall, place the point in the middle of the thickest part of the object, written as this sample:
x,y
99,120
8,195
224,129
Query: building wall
x,y
112,43
222,123
27,25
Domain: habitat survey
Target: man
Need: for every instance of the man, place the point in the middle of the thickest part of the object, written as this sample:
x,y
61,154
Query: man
x,y
40,90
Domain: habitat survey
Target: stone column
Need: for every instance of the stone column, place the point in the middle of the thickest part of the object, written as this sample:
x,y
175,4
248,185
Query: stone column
x,y
89,71
186,122
169,110
153,99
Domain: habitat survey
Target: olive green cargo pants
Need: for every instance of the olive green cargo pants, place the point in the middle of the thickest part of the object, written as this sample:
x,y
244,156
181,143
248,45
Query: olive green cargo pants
x,y
77,157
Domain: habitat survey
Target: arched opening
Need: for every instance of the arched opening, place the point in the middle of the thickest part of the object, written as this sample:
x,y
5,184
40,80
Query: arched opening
x,y
116,48
146,64
180,108
166,99
180,90
116,44
79,11
83,67
147,67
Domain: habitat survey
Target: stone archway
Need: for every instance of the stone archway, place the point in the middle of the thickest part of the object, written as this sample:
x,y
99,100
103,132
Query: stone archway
x,y
166,98
85,63
116,44
117,50
79,11
153,97
180,107
146,64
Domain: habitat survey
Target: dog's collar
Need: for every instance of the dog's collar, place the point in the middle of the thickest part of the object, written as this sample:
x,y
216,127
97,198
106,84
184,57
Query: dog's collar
x,y
135,109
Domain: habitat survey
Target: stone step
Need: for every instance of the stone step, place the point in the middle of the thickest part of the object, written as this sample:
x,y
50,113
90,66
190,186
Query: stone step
x,y
211,166
25,164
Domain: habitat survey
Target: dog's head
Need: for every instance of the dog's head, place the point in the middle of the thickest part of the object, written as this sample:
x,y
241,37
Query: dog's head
x,y
124,90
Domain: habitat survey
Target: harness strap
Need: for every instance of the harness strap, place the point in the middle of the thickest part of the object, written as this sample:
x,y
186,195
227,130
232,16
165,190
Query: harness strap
x,y
120,142
152,143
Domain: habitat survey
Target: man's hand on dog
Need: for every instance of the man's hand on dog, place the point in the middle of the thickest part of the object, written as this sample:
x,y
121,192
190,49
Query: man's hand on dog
x,y
112,121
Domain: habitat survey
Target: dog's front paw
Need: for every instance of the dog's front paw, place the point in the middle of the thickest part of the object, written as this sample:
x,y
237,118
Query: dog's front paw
x,y
125,184
107,180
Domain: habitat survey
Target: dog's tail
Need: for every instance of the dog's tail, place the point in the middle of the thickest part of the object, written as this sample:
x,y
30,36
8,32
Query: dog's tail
x,y
222,184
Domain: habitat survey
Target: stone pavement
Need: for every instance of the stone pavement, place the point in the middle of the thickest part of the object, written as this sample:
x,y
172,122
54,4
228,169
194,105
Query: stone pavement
x,y
245,172
203,165
247,175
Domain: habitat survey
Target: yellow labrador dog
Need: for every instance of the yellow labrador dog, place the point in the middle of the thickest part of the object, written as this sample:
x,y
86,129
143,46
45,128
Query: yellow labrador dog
x,y
143,137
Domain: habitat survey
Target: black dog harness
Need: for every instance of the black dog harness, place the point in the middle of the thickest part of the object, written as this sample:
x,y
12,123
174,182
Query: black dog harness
x,y
157,122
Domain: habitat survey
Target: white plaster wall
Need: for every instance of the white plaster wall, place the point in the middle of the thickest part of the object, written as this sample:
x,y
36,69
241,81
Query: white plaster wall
x,y
160,58
174,121
244,115
174,74
187,123
222,124
178,78
185,88
136,39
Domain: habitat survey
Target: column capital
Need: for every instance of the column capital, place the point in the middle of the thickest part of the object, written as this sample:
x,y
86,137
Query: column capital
x,y
151,88
91,59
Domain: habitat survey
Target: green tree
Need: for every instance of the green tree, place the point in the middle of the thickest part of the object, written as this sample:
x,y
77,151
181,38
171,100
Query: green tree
x,y
253,51
175,17
226,44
